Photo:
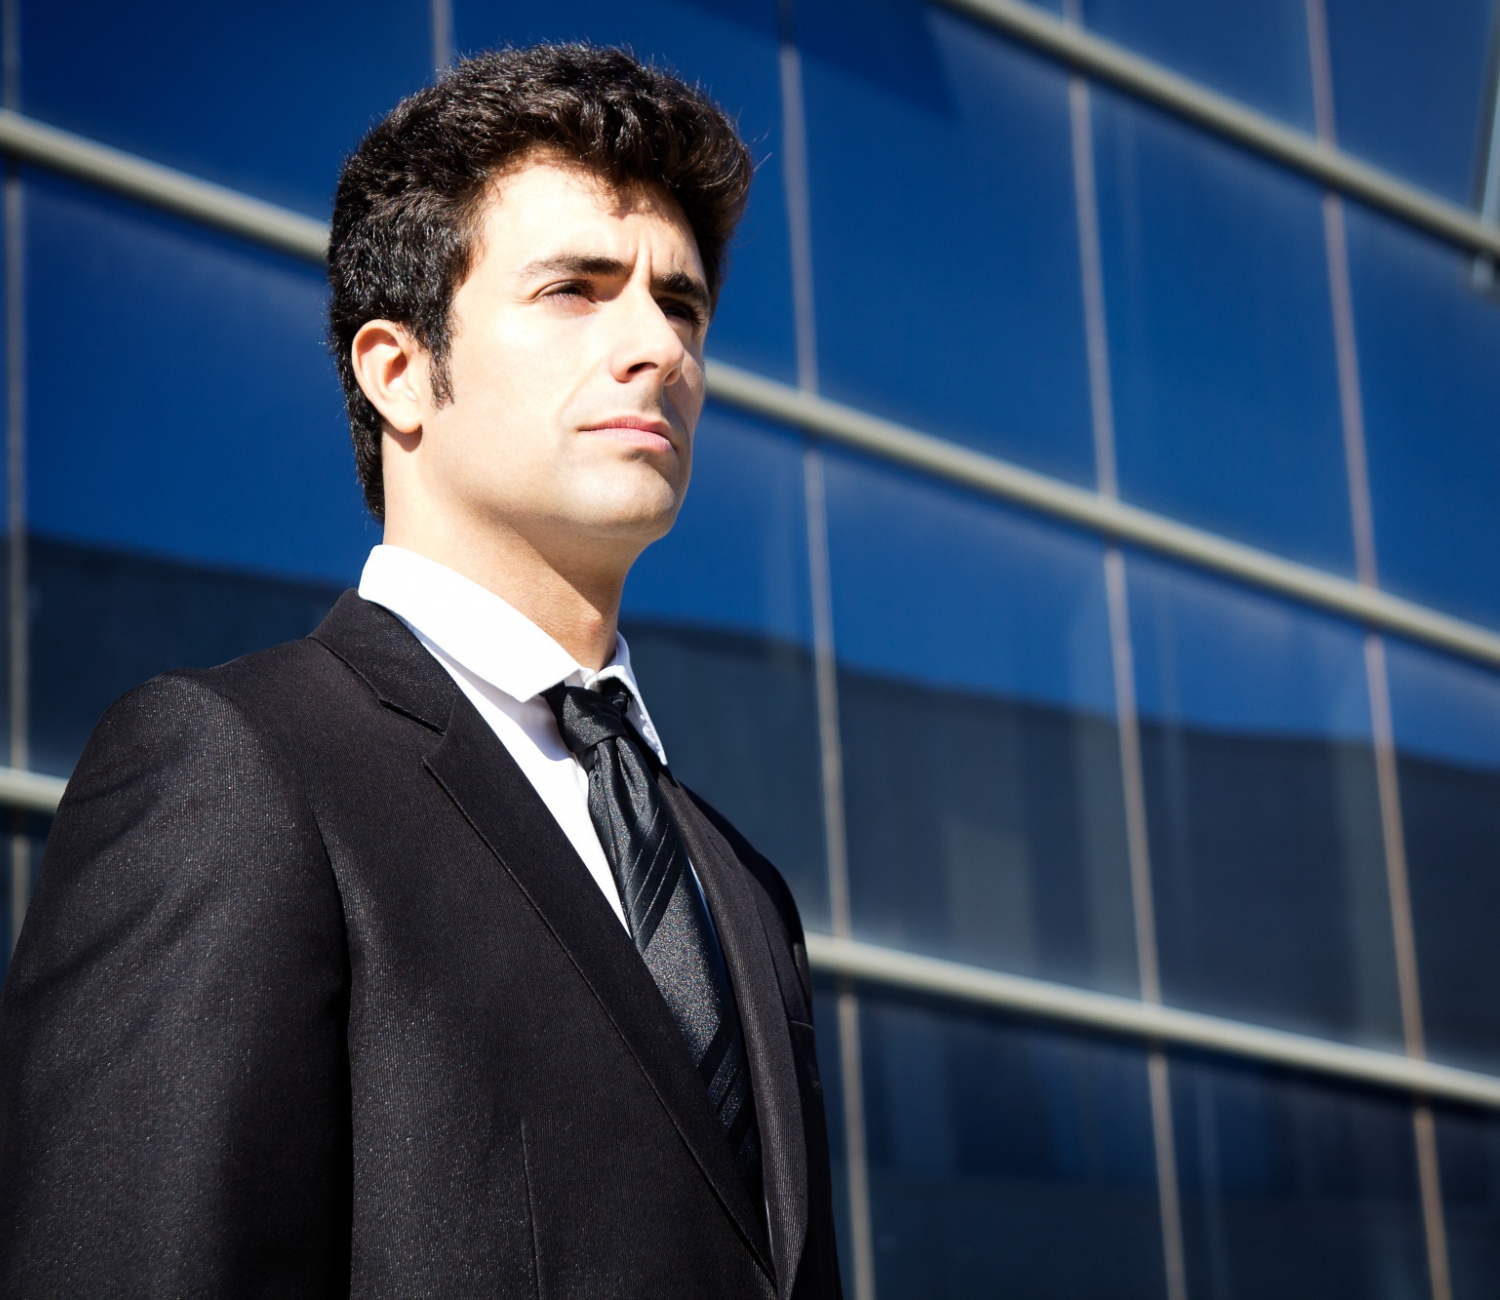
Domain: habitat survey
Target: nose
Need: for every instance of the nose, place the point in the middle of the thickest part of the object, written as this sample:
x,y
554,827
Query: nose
x,y
647,342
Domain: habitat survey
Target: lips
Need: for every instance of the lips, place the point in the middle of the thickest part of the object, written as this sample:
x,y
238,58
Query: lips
x,y
634,430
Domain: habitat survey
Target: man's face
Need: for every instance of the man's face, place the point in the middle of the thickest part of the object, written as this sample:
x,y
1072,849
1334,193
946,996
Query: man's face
x,y
576,365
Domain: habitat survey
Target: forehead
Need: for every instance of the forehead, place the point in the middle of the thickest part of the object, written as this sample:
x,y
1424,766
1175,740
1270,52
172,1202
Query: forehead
x,y
544,207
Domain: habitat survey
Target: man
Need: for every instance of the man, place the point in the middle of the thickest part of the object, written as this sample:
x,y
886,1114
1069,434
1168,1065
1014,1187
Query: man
x,y
395,961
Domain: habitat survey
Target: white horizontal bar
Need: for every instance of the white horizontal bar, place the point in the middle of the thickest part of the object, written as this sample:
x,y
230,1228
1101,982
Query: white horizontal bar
x,y
1101,1011
1115,519
1226,117
163,187
30,791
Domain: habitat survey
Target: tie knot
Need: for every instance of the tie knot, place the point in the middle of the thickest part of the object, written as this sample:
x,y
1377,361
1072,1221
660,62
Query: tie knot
x,y
586,718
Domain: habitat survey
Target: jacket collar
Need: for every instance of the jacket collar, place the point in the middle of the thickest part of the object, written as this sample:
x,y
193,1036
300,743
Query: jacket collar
x,y
492,793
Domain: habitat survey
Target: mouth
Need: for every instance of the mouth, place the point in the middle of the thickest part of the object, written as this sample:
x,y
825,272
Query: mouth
x,y
637,431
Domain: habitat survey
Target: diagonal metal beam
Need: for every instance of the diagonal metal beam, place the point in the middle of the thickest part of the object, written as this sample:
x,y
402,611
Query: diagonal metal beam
x,y
163,187
1150,1021
1259,132
1105,515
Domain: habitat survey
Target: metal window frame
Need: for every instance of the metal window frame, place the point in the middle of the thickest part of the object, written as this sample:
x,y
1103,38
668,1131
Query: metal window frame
x,y
306,238
1152,1022
1151,82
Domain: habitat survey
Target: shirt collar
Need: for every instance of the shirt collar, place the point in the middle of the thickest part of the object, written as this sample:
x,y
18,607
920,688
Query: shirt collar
x,y
485,635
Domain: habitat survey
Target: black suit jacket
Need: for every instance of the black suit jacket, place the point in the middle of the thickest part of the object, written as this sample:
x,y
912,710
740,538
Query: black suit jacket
x,y
315,998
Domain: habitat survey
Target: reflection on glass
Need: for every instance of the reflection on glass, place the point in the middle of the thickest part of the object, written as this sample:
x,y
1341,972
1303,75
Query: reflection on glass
x,y
719,624
204,420
981,762
1411,86
1221,338
1431,386
1006,1159
945,245
730,48
1447,719
1295,1189
1468,1148
1264,821
1255,50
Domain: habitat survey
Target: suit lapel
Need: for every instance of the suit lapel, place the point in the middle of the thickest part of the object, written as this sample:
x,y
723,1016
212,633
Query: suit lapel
x,y
757,992
493,794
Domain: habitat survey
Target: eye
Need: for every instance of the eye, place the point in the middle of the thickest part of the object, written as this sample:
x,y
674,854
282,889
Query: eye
x,y
683,311
571,289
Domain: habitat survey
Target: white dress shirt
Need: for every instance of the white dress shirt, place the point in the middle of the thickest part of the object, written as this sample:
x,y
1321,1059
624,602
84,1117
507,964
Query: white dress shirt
x,y
503,662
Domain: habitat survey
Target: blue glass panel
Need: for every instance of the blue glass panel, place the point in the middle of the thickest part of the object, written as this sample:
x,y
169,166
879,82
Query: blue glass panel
x,y
729,47
181,398
718,620
1221,337
265,98
1428,347
1468,1145
1447,719
981,761
1262,808
1294,1188
1006,1159
1411,83
945,247
1254,50
737,556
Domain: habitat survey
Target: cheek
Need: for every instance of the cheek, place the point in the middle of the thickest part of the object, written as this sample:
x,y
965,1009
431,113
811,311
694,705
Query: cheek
x,y
688,395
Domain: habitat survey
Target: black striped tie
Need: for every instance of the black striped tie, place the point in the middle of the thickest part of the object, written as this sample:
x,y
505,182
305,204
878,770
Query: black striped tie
x,y
665,911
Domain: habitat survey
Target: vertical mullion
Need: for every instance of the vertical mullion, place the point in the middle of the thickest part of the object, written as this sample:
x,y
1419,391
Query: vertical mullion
x,y
1091,269
1377,678
441,17
799,226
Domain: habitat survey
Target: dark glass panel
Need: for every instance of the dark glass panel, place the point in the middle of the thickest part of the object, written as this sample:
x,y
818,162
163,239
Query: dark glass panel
x,y
1006,1159
1412,86
1221,338
1293,1188
180,399
981,762
1262,808
718,620
729,47
1468,1146
738,715
1428,346
265,97
944,240
105,621
830,1064
1447,719
25,835
1254,50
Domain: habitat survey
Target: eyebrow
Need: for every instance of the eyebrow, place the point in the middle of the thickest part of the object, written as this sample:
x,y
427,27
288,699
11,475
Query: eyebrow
x,y
674,284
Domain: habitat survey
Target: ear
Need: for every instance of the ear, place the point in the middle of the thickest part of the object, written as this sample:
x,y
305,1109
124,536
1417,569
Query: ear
x,y
391,368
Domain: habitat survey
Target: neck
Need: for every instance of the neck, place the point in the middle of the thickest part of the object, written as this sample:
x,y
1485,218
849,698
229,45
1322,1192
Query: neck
x,y
571,594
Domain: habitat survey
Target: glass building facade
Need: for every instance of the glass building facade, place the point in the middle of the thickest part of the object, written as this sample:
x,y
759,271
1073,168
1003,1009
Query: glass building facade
x,y
1096,524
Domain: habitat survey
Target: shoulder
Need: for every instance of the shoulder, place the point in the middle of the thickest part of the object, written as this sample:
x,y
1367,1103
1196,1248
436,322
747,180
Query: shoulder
x,y
202,719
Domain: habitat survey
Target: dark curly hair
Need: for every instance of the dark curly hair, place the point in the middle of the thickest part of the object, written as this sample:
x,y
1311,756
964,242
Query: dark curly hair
x,y
409,200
